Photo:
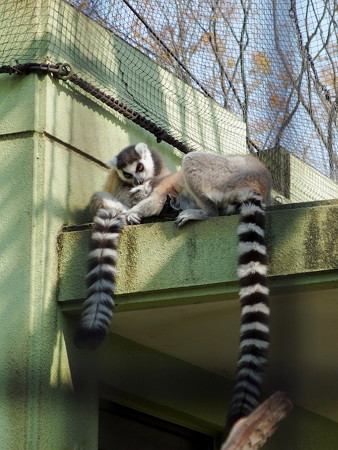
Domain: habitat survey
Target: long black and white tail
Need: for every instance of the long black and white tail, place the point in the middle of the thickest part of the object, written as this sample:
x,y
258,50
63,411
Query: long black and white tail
x,y
98,306
254,296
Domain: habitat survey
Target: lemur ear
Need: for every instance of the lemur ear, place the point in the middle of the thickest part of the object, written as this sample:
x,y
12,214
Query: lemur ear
x,y
142,149
112,162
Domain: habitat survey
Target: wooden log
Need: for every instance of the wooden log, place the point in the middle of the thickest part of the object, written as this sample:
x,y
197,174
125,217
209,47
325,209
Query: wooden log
x,y
252,432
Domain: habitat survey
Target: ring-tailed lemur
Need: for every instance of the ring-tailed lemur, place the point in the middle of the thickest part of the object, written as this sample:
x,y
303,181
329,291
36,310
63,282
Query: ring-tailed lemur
x,y
133,174
210,185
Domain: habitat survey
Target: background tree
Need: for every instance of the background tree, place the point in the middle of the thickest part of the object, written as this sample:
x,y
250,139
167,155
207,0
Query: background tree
x,y
274,64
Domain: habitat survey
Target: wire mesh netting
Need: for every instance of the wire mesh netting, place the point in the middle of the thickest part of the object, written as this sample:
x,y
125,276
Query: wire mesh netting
x,y
273,64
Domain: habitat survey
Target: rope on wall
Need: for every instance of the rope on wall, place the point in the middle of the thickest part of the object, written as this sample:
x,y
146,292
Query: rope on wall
x,y
64,71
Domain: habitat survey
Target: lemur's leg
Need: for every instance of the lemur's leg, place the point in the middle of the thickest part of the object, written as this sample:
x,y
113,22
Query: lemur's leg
x,y
193,214
206,207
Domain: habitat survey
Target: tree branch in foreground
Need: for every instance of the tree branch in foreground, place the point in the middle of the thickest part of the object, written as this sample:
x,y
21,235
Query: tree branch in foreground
x,y
252,432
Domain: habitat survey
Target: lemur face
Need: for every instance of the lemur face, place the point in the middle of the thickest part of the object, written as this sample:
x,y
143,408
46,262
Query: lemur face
x,y
134,164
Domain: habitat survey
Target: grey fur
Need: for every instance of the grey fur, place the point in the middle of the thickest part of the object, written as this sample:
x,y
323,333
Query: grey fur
x,y
211,185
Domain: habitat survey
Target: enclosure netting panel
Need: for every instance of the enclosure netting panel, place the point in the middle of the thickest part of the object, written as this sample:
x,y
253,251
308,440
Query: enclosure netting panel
x,y
273,64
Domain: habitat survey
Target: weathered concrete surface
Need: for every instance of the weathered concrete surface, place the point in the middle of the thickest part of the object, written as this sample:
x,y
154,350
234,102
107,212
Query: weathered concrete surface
x,y
159,262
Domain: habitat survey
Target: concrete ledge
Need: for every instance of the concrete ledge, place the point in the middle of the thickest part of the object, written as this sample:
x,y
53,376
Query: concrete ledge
x,y
162,265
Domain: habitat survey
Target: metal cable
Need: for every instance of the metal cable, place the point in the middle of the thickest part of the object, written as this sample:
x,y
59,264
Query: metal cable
x,y
64,72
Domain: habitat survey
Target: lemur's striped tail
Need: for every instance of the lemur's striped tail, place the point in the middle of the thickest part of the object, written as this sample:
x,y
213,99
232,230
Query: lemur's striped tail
x,y
98,306
254,296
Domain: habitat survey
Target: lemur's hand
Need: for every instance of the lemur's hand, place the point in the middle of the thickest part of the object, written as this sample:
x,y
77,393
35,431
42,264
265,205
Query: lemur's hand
x,y
138,193
133,218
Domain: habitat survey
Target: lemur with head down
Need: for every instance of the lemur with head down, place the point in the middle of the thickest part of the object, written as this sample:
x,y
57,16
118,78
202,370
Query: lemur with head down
x,y
210,185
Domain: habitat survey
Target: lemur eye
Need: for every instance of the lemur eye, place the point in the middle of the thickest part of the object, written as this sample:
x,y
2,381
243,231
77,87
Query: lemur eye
x,y
126,174
139,167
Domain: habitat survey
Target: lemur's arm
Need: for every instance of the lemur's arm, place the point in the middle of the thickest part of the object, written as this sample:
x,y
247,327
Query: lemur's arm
x,y
152,206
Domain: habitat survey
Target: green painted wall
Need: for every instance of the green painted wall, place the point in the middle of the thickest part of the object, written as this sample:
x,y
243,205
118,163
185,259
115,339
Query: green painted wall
x,y
36,389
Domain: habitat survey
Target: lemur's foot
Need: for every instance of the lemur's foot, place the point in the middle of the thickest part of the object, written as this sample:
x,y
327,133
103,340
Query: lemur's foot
x,y
190,214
